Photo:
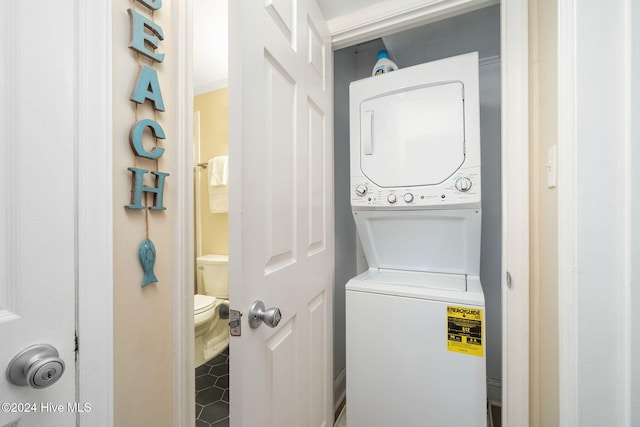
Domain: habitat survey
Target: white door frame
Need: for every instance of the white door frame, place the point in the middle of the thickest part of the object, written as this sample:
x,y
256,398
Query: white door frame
x,y
596,267
183,223
515,185
514,46
397,15
94,210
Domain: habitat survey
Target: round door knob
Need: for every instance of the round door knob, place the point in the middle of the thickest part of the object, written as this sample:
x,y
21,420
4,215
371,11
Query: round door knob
x,y
37,366
391,198
408,197
259,315
463,184
361,190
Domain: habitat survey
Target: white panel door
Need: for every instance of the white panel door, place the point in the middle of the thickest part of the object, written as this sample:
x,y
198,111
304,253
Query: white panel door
x,y
37,204
281,213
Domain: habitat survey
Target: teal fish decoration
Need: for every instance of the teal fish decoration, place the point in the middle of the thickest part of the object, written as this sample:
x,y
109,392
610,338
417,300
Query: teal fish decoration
x,y
147,255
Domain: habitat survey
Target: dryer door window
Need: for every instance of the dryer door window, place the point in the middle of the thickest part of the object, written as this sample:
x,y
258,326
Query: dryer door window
x,y
413,137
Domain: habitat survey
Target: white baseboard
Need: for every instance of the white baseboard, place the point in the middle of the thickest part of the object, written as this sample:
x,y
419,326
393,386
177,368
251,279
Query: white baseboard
x,y
339,390
494,391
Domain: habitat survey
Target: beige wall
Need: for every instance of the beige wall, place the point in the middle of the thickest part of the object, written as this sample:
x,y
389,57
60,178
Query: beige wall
x,y
214,136
544,400
143,334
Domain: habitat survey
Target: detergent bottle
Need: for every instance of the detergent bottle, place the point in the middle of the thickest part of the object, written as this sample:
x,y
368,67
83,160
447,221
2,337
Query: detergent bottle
x,y
384,64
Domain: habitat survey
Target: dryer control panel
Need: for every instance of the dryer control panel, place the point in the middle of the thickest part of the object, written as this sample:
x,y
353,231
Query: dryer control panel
x,y
461,190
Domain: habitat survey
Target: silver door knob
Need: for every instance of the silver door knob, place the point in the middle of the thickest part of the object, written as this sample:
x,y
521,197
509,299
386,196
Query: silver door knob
x,y
257,315
37,366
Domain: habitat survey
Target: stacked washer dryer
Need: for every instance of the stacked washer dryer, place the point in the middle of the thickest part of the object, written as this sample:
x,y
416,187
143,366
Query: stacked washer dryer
x,y
415,320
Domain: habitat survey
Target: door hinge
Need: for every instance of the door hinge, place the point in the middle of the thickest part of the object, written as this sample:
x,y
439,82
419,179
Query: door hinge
x,y
76,342
509,280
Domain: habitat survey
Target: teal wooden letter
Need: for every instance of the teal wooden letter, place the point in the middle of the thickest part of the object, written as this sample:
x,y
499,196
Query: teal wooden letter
x,y
135,138
138,189
148,87
153,4
140,38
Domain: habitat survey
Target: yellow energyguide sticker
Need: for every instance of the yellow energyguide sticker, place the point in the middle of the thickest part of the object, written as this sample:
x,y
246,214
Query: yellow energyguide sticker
x,y
464,330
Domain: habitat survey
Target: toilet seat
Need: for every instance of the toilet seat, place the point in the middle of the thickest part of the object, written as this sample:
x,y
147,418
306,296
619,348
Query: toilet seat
x,y
203,303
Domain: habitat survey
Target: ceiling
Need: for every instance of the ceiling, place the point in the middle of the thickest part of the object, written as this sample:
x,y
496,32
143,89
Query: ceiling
x,y
334,8
210,45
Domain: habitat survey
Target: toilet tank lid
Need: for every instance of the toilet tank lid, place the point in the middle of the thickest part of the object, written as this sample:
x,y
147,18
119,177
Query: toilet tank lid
x,y
213,259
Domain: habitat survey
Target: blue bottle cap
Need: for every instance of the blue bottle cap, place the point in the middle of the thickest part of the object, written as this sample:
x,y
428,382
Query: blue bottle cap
x,y
382,54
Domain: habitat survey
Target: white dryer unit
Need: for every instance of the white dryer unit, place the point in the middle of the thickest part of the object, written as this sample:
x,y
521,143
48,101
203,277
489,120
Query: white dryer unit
x,y
415,137
415,321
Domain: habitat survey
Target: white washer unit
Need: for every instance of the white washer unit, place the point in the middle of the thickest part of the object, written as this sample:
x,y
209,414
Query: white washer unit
x,y
415,320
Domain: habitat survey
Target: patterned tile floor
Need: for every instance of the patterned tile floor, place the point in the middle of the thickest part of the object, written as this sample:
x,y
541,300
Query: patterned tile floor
x,y
212,396
212,392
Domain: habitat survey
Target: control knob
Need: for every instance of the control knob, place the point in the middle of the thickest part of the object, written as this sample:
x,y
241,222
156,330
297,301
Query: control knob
x,y
361,190
408,197
463,184
391,198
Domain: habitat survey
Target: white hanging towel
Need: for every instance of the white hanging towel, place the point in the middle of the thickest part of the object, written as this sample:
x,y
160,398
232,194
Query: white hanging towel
x,y
218,169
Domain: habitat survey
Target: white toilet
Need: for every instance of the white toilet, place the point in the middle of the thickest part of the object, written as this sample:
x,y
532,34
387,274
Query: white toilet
x,y
211,332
